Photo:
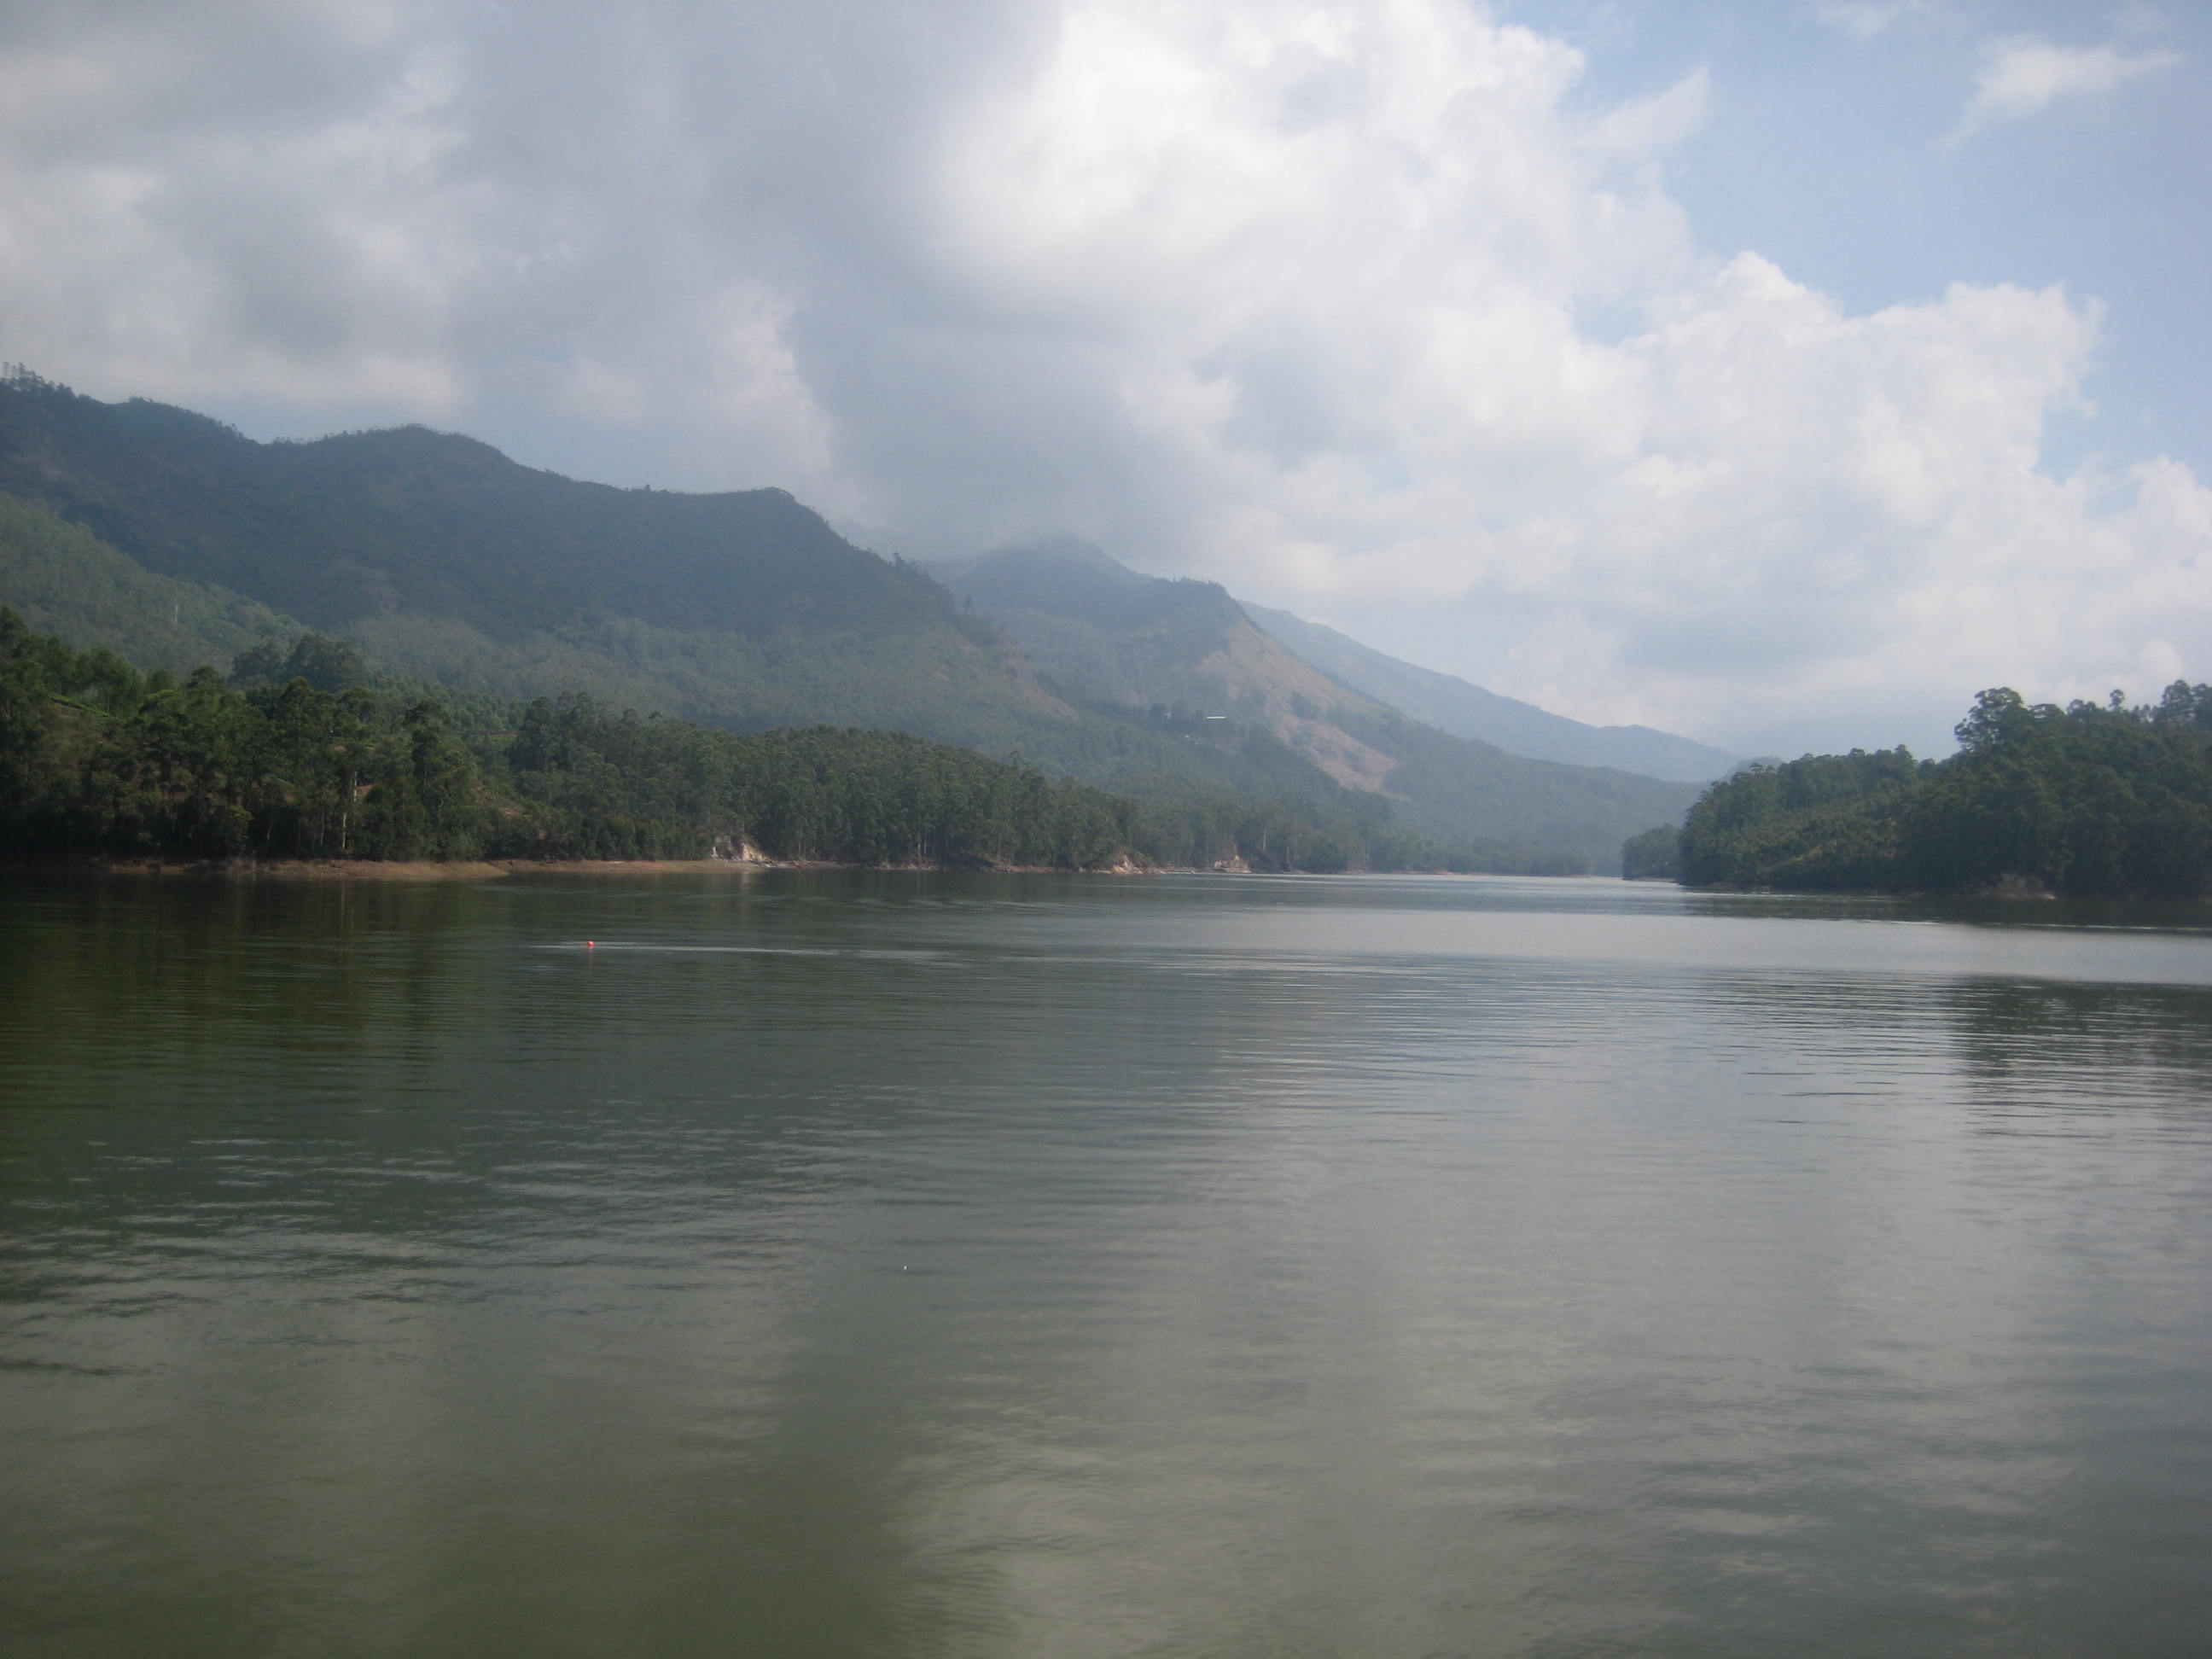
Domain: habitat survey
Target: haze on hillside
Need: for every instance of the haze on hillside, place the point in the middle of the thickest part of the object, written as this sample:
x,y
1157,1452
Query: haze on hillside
x,y
449,564
1055,594
1778,376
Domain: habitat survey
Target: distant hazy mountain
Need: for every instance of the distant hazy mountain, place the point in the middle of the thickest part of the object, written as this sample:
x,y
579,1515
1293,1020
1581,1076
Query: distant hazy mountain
x,y
174,539
445,560
1100,633
1465,710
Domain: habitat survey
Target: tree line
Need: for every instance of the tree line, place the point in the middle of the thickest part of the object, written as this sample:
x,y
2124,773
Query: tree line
x,y
2092,800
304,753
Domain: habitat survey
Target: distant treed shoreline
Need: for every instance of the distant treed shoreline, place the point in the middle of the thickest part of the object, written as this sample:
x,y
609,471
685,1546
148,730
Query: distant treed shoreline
x,y
304,757
2091,800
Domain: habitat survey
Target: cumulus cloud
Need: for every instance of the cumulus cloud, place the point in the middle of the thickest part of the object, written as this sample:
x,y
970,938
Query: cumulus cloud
x,y
1363,305
1833,515
1868,18
2024,75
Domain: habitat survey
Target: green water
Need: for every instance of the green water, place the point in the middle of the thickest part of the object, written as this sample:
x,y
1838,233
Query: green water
x,y
916,1265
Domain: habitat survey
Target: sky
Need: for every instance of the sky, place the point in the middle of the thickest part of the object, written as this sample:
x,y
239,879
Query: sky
x,y
1781,373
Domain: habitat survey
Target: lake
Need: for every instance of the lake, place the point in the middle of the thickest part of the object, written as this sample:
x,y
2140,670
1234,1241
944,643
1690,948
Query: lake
x,y
904,1264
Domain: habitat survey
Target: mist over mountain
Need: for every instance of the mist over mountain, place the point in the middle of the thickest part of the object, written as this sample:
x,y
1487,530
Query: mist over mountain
x,y
1454,705
447,562
172,539
1103,633
1100,633
1064,590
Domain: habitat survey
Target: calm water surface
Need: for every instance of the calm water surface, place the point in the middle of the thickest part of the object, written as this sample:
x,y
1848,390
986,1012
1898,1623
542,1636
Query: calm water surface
x,y
904,1265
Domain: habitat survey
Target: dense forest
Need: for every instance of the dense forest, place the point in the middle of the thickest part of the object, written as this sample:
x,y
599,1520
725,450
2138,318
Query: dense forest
x,y
2093,799
304,753
175,541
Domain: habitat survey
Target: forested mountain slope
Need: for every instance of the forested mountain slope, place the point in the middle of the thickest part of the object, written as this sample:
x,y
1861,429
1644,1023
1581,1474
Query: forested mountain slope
x,y
63,579
447,561
450,564
1100,633
410,521
99,760
1465,710
303,752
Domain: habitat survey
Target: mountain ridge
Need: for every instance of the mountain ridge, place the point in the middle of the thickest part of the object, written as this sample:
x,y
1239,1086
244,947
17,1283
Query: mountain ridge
x,y
1467,710
1100,633
447,561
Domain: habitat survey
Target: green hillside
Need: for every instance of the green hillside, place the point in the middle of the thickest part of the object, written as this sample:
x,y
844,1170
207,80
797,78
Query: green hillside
x,y
99,759
176,541
305,752
409,522
1104,636
449,561
61,579
952,680
1451,704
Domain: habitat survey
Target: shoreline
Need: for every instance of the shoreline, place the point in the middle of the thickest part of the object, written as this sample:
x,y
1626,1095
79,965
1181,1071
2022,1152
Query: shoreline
x,y
432,870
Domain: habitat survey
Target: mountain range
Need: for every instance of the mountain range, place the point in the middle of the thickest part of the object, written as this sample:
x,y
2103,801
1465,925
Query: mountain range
x,y
174,539
1454,705
1107,636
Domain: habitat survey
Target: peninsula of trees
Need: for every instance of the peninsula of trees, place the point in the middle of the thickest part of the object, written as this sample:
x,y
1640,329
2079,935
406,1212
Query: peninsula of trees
x,y
2091,800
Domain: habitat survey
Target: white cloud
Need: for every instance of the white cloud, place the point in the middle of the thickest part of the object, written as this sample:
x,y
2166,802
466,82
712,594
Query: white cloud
x,y
1801,520
1833,512
1307,297
1868,18
2024,75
